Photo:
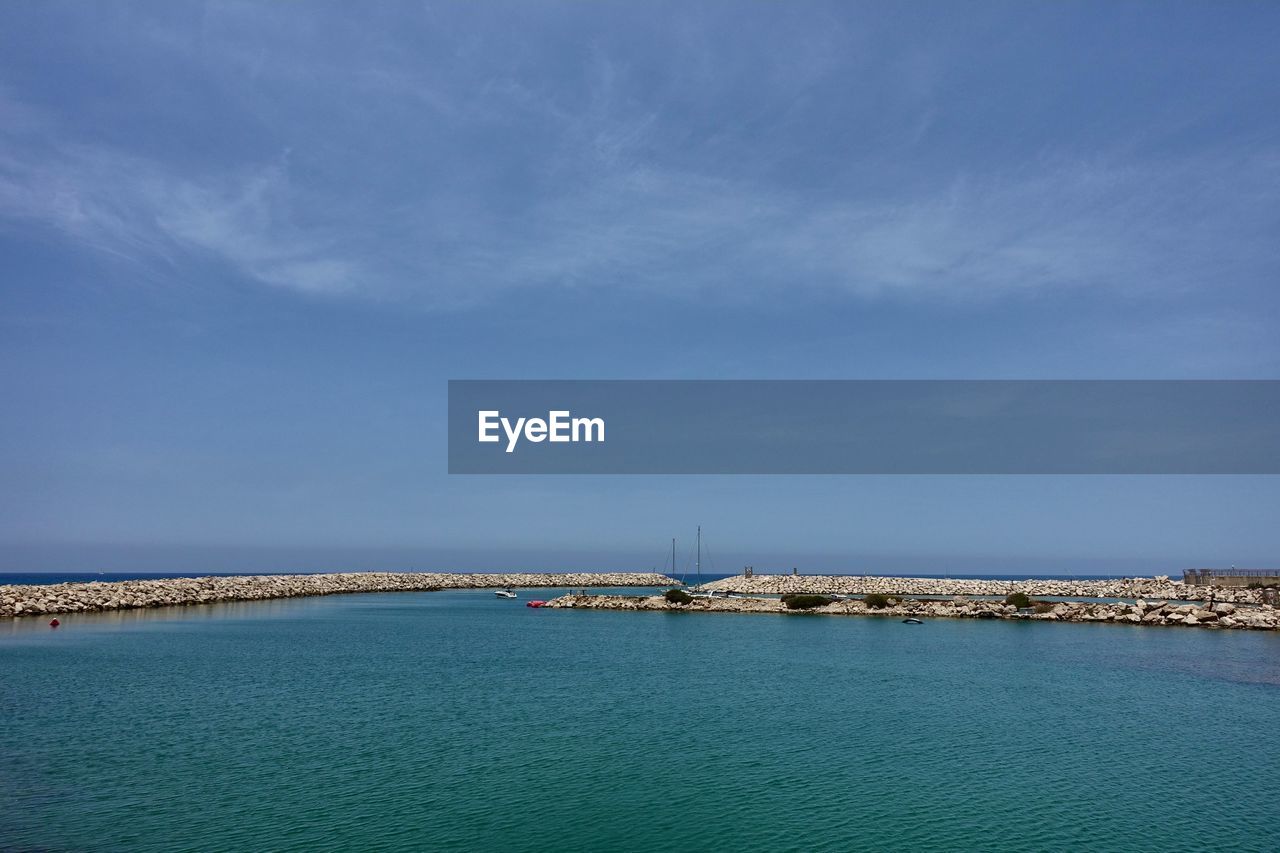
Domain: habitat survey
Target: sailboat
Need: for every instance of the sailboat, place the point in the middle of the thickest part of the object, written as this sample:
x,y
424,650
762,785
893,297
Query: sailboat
x,y
698,569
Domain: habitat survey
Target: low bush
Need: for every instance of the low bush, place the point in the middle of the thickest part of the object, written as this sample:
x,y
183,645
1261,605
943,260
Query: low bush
x,y
797,601
1018,599
1042,606
877,601
677,596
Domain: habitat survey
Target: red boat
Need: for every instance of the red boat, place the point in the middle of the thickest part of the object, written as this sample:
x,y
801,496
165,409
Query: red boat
x,y
537,602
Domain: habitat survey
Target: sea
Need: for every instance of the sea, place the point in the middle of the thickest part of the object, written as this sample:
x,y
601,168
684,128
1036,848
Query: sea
x,y
455,720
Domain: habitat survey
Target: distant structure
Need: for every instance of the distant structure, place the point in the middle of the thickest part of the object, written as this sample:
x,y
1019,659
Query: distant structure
x,y
1230,577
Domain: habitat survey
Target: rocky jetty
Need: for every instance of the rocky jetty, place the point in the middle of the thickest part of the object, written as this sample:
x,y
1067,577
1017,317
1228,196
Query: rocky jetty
x,y
1132,588
1150,613
38,600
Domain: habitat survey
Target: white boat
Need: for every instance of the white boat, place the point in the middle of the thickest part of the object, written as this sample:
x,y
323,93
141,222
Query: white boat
x,y
504,593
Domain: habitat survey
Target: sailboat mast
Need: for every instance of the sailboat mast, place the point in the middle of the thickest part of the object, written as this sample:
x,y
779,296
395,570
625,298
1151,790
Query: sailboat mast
x,y
673,556
699,563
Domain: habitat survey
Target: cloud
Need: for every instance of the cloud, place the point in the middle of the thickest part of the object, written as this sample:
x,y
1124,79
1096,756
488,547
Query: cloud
x,y
1122,227
365,168
139,210
247,221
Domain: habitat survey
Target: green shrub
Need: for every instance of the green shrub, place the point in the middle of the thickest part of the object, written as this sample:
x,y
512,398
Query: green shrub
x,y
878,601
796,601
677,596
1018,600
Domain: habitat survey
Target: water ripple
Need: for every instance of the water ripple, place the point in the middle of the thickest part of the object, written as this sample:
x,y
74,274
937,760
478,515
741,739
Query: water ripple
x,y
453,721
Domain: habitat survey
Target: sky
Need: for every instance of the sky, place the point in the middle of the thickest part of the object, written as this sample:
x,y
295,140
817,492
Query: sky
x,y
243,248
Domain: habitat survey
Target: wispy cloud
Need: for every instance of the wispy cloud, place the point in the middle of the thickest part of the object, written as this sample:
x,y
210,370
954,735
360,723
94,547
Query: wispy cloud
x,y
451,179
248,221
137,209
1123,227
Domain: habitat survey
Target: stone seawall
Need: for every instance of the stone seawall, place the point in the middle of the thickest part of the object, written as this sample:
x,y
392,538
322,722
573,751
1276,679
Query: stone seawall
x,y
37,600
838,584
1151,613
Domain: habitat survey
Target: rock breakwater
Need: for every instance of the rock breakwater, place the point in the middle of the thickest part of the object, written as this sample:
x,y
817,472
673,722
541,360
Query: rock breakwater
x,y
1132,588
1150,613
41,599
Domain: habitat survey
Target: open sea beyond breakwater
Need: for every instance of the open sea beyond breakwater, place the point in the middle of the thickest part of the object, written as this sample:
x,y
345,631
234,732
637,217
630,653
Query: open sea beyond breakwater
x,y
457,721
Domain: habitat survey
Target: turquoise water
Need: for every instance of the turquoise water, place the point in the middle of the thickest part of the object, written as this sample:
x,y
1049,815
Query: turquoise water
x,y
457,721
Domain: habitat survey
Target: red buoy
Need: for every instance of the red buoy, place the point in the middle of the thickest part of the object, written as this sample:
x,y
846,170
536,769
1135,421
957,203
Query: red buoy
x,y
54,624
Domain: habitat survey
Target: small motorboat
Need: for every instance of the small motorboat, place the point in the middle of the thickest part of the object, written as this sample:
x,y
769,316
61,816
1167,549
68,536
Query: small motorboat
x,y
535,603
504,593
912,621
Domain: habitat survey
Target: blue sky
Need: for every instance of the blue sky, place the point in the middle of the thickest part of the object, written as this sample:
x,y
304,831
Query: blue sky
x,y
244,246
